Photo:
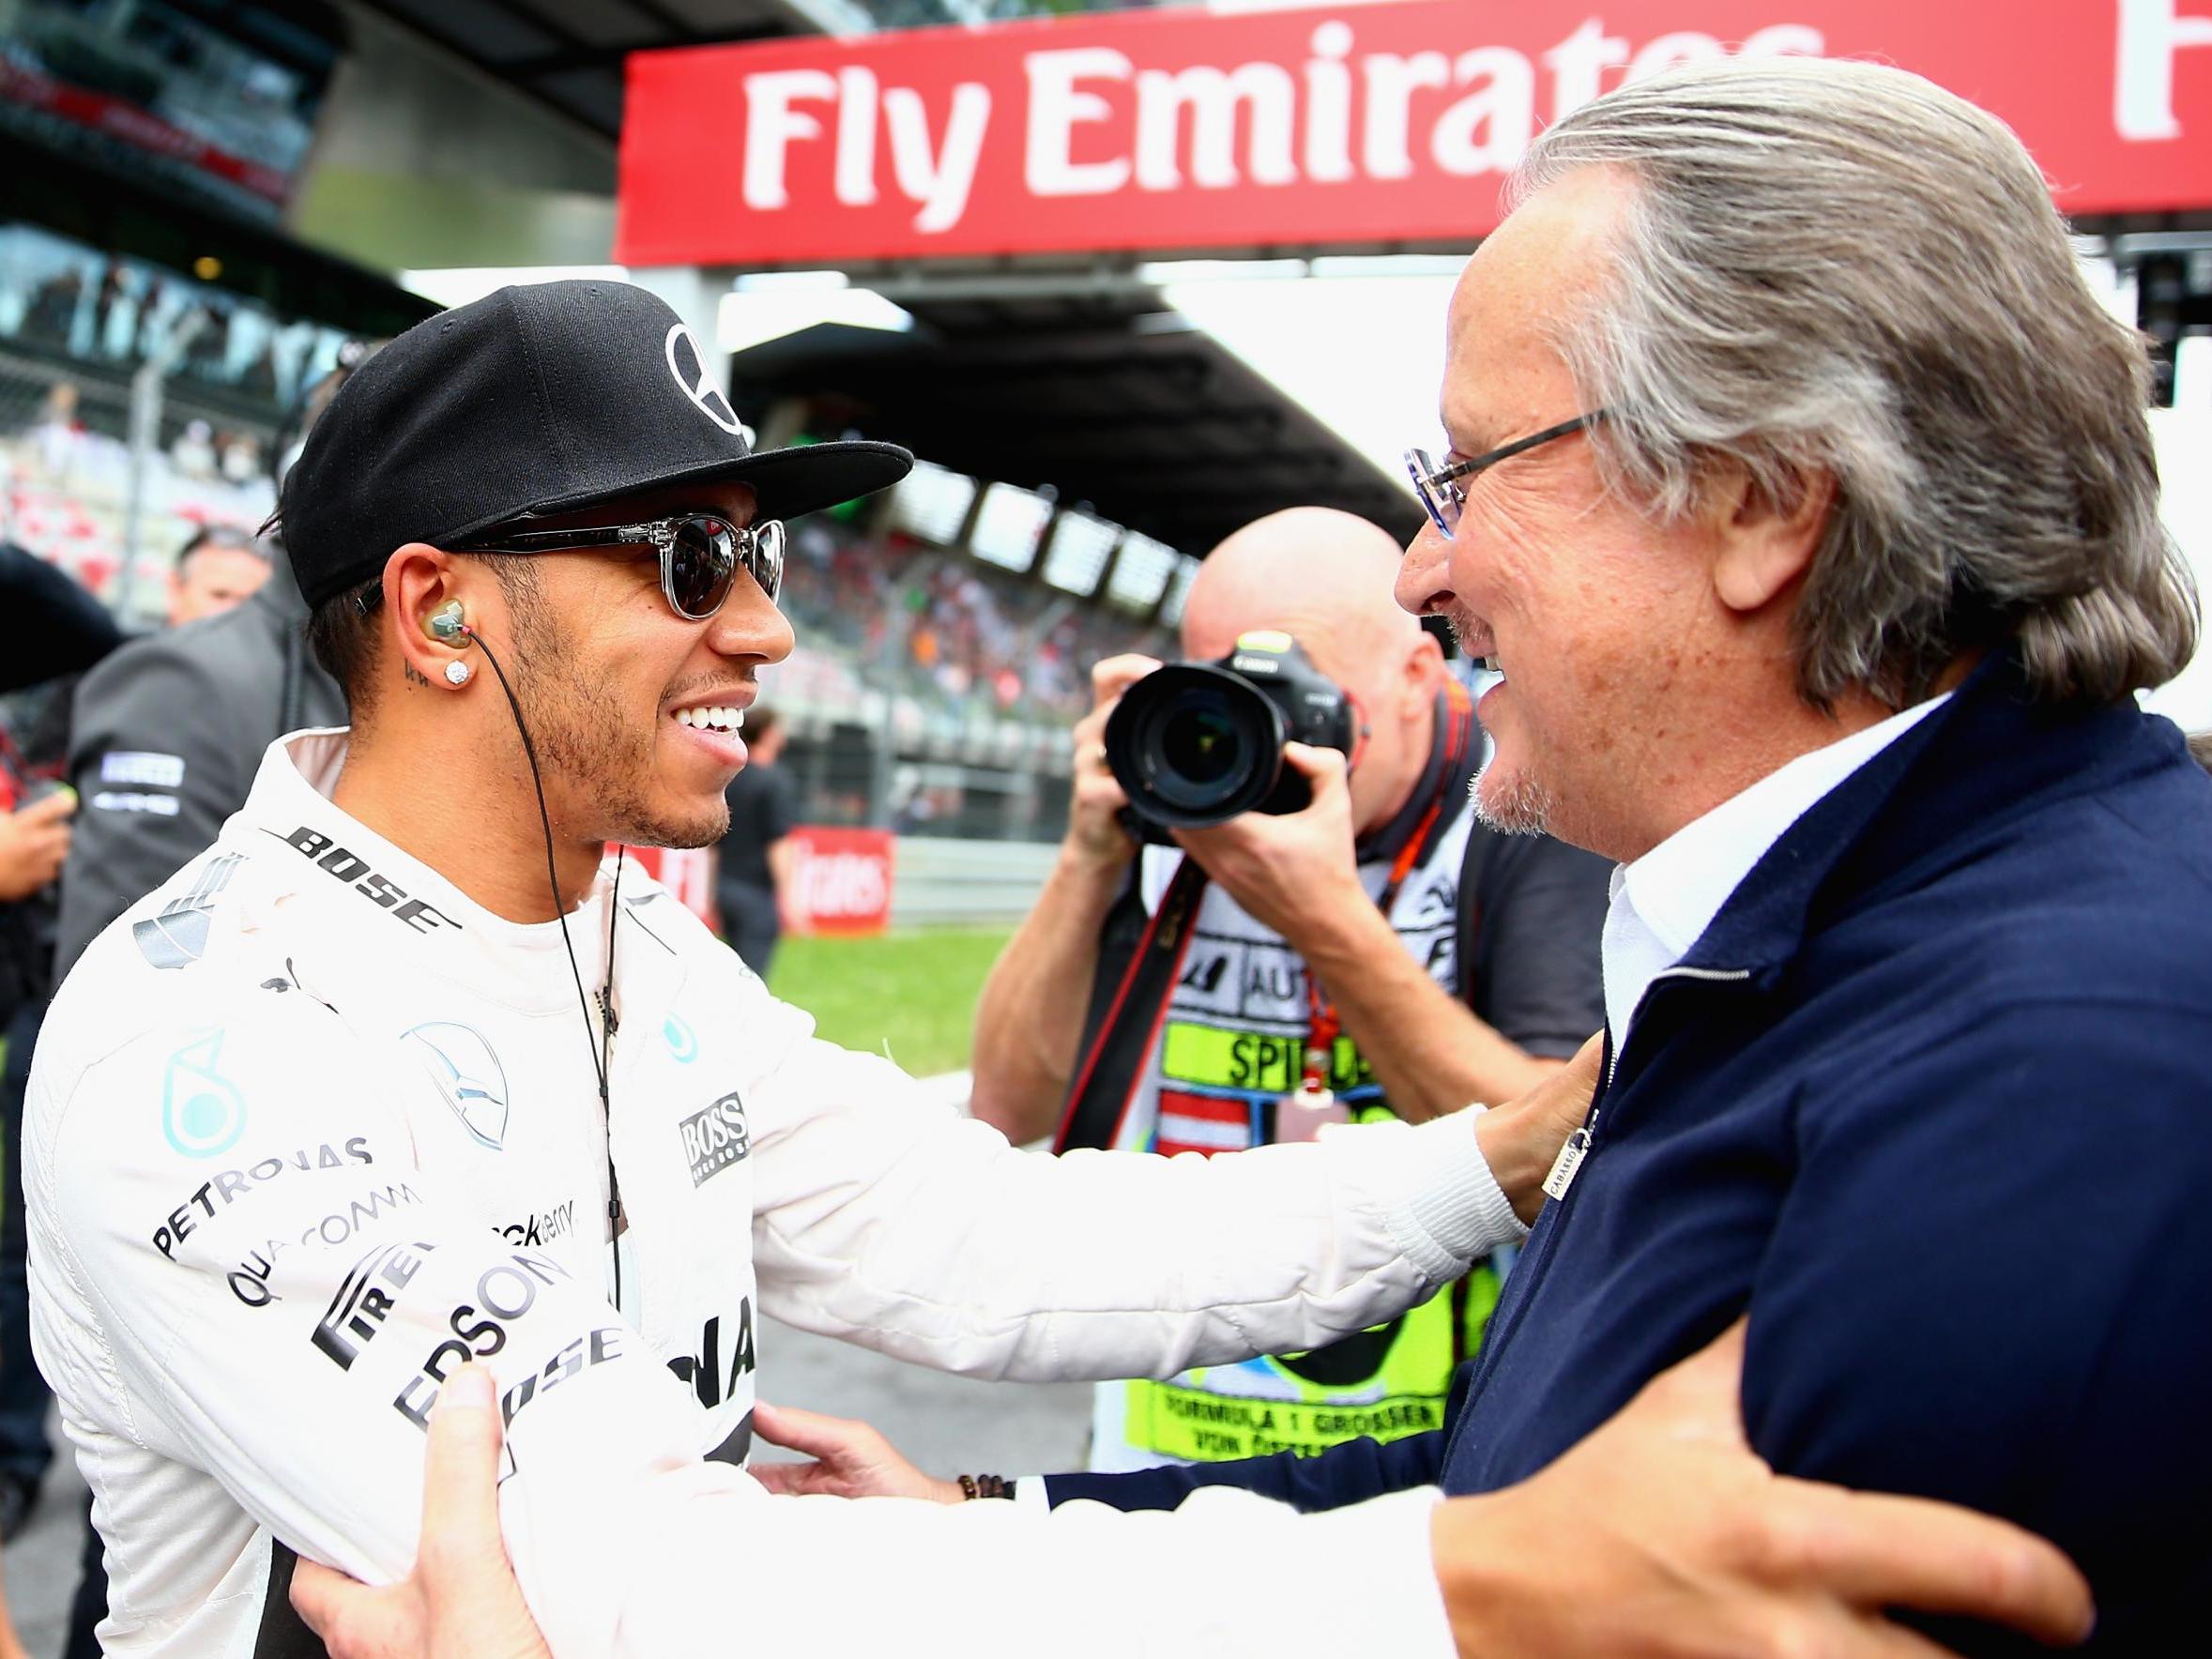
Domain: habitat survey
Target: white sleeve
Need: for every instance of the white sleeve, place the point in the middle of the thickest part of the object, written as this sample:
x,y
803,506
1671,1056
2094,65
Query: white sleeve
x,y
257,1282
1229,1576
895,1223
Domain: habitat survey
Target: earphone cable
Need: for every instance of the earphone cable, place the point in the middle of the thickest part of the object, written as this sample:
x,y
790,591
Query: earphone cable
x,y
553,876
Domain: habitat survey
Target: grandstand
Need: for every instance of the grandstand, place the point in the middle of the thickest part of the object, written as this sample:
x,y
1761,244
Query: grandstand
x,y
77,329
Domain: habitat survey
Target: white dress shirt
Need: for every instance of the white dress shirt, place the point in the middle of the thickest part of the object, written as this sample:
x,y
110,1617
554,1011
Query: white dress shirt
x,y
1663,902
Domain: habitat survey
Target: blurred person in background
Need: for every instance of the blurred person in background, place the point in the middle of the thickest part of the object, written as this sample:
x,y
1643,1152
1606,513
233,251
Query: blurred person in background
x,y
166,736
220,567
1430,962
50,630
756,877
247,1314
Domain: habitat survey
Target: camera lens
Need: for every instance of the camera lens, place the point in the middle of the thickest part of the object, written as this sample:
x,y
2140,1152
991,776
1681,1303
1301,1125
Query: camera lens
x,y
1199,744
1194,745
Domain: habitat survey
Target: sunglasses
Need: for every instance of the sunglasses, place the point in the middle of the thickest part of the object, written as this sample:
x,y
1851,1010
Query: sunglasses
x,y
700,555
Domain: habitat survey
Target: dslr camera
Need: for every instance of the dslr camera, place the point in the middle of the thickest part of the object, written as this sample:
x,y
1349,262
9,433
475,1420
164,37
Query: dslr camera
x,y
1193,744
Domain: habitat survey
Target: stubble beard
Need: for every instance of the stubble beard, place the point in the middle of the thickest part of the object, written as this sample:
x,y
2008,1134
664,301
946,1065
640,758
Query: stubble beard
x,y
1511,802
584,738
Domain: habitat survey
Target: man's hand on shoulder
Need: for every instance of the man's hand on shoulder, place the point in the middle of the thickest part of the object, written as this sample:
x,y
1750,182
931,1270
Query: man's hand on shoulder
x,y
1664,1533
1294,871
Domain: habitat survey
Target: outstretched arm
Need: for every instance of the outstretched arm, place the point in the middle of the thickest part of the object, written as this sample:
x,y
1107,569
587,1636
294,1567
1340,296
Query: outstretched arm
x,y
1662,1527
885,1222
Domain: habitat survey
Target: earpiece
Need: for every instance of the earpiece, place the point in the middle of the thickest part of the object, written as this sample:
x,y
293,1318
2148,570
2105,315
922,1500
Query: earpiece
x,y
447,624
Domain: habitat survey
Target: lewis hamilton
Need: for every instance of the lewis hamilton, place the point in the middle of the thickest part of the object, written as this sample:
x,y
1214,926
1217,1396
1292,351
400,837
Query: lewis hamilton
x,y
402,1072
322,1118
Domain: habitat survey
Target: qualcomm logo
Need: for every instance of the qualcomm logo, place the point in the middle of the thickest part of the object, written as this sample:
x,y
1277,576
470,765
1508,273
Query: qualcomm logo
x,y
682,1041
689,366
202,1111
468,1074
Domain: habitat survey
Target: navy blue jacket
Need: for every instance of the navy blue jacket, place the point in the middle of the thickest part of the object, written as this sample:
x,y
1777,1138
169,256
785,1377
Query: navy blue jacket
x,y
1933,1098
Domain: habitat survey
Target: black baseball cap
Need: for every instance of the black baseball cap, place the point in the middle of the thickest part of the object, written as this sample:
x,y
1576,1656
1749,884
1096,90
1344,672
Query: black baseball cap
x,y
536,399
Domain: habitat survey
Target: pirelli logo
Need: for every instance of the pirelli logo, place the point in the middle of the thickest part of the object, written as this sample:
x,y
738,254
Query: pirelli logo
x,y
365,1299
716,1137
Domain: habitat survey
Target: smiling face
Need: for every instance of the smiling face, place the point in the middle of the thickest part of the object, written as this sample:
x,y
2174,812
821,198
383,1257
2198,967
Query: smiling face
x,y
1596,616
634,709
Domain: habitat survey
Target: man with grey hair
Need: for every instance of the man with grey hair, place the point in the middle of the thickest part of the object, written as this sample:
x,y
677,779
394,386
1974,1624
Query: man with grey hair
x,y
1804,495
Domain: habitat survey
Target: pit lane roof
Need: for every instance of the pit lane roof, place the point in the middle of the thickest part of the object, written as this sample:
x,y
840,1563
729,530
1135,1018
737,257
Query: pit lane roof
x,y
1110,398
568,53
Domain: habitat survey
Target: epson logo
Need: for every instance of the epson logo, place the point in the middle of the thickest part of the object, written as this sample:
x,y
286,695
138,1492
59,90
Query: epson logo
x,y
365,1299
715,1139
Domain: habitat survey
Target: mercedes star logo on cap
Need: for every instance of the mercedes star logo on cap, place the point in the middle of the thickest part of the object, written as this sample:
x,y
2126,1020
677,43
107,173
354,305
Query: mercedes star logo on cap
x,y
698,386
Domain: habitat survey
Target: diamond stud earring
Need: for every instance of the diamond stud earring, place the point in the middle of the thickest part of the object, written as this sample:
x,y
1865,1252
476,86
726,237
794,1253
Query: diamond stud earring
x,y
457,674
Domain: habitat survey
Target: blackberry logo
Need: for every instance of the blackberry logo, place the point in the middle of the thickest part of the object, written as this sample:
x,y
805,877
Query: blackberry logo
x,y
716,1137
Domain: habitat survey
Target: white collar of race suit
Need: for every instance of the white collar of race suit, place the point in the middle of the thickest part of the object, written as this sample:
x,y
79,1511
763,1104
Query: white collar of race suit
x,y
290,800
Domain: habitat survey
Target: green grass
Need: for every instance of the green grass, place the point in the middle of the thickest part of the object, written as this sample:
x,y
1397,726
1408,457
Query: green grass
x,y
912,991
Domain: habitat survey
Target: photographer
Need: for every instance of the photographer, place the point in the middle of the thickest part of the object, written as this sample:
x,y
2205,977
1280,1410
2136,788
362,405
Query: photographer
x,y
1376,953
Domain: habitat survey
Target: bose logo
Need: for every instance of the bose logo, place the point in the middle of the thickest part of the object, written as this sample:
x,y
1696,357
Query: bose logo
x,y
344,864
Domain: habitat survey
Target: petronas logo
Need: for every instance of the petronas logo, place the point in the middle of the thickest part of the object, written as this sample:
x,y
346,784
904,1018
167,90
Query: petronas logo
x,y
202,1114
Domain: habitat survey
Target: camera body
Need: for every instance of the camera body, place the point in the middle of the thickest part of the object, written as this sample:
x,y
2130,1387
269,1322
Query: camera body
x,y
1195,744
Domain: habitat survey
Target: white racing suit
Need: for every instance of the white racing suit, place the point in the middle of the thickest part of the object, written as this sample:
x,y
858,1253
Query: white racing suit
x,y
308,1128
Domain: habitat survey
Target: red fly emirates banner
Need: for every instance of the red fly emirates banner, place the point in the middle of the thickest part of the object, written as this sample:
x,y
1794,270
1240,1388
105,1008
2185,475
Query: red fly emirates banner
x,y
1385,123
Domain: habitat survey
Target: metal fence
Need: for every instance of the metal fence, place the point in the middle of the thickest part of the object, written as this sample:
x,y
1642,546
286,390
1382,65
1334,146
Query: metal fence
x,y
941,882
107,471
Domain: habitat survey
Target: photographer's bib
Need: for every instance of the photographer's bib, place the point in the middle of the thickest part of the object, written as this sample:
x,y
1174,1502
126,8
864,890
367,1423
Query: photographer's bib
x,y
1230,1058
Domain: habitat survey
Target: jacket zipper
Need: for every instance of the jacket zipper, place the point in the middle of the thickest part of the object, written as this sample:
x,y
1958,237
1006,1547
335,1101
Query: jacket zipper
x,y
1534,1266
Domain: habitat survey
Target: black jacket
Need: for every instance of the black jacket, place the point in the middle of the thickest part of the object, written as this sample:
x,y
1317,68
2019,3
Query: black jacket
x,y
169,732
1931,1099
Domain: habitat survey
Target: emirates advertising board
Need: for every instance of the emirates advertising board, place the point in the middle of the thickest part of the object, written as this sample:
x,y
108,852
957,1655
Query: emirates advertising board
x,y
1347,127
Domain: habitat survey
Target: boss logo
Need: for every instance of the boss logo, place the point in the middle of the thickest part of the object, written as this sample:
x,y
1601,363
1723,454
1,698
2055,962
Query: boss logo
x,y
716,1137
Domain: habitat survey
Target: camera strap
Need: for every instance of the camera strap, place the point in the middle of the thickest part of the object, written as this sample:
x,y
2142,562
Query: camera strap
x,y
1111,1072
1113,1065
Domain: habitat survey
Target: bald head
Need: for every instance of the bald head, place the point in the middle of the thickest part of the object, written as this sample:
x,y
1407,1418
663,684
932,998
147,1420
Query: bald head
x,y
1325,578
1322,576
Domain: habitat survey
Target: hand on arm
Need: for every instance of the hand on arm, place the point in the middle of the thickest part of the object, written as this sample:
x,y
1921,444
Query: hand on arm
x,y
462,1600
1661,1535
1664,1533
1029,1019
848,1459
1520,1140
1297,872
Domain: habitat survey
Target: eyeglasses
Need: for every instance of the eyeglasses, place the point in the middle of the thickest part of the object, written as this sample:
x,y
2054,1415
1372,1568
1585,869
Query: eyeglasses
x,y
1438,484
700,552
